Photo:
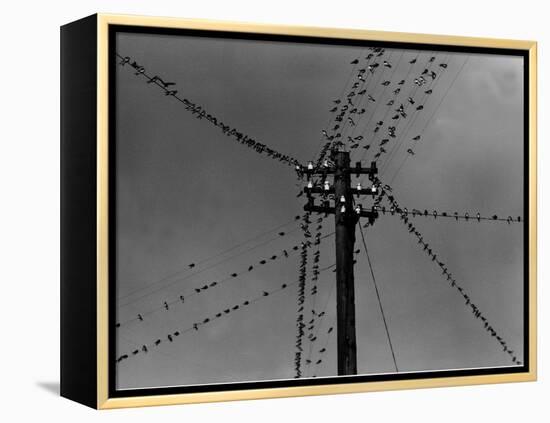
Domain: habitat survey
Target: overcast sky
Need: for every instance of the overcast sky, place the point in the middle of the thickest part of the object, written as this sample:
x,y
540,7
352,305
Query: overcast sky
x,y
186,192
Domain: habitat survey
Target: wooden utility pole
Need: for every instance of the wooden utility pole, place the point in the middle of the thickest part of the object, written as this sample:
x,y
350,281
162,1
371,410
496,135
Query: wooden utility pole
x,y
345,221
346,217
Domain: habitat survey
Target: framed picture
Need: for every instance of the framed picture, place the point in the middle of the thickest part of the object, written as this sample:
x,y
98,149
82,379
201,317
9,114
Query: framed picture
x,y
255,211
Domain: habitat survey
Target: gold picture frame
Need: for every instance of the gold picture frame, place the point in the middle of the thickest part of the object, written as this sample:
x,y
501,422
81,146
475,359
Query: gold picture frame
x,y
97,34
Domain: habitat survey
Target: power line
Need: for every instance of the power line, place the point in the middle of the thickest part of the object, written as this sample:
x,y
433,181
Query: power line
x,y
167,303
419,81
474,309
435,214
200,113
431,117
425,97
172,336
302,272
177,281
379,300
205,260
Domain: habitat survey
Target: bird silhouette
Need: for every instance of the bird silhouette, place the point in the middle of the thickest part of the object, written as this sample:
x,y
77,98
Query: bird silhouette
x,y
354,62
412,62
159,80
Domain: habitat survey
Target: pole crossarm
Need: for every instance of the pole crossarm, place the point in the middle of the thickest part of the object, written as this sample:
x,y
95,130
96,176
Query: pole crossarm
x,y
371,214
328,168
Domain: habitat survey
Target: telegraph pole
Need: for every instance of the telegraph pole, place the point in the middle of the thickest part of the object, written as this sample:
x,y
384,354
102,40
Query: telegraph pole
x,y
345,221
346,217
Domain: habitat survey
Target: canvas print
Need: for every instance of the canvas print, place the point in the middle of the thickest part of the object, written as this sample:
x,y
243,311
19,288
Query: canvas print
x,y
303,211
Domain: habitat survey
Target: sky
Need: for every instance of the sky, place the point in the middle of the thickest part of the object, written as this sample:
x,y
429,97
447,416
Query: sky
x,y
186,193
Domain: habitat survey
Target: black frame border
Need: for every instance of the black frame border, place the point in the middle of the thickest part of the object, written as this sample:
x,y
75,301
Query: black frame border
x,y
113,30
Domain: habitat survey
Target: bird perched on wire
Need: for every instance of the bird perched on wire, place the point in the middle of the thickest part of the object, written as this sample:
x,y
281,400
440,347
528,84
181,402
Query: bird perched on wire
x,y
160,81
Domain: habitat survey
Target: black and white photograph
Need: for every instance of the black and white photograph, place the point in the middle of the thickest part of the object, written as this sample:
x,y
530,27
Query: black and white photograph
x,y
292,210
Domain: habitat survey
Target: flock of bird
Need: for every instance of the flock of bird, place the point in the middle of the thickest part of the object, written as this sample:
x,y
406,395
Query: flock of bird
x,y
172,335
362,99
302,275
200,113
170,304
404,217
